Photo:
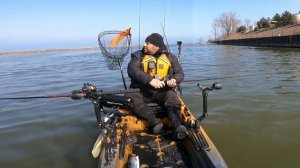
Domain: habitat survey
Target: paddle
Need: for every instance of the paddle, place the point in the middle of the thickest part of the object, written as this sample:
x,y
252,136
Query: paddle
x,y
98,143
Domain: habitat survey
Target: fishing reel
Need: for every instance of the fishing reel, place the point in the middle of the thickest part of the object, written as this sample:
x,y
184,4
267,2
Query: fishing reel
x,y
105,101
88,91
87,88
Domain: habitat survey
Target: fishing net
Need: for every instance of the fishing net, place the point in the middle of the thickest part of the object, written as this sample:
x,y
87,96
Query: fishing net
x,y
114,46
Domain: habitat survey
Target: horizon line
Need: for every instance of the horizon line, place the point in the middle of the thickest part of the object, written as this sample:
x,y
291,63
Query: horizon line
x,y
25,52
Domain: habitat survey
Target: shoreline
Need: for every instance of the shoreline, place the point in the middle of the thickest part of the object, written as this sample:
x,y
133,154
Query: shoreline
x,y
287,36
26,52
46,51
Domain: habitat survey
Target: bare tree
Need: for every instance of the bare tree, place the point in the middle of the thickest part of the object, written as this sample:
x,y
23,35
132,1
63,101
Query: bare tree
x,y
247,22
215,28
228,22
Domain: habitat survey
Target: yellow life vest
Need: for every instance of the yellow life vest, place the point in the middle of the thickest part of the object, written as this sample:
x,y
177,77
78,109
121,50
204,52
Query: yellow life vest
x,y
157,67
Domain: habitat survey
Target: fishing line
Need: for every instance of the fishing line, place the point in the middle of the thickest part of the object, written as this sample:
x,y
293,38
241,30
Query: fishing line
x,y
140,24
184,81
226,77
278,71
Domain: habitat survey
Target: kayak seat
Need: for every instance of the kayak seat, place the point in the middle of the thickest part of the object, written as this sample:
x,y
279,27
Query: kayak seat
x,y
116,101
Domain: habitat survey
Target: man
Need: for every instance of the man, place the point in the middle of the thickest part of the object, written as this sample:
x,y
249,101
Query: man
x,y
156,73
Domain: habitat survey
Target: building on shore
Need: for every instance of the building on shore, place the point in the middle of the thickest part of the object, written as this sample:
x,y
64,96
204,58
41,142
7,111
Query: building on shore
x,y
296,18
251,28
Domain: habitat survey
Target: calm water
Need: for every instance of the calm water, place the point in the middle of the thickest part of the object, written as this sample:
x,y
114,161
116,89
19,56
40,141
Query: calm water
x,y
254,120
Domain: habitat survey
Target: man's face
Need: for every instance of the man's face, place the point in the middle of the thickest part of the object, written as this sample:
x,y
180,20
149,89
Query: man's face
x,y
150,48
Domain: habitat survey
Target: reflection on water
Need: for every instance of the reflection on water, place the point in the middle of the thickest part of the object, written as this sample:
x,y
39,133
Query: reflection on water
x,y
253,120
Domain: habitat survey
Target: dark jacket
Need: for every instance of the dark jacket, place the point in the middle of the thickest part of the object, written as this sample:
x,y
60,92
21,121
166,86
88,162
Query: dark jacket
x,y
140,79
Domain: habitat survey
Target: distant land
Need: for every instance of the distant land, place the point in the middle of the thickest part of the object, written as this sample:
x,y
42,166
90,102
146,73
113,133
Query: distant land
x,y
46,51
14,53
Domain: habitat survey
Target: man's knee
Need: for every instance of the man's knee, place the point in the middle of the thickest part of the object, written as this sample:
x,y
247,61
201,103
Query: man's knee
x,y
172,99
140,105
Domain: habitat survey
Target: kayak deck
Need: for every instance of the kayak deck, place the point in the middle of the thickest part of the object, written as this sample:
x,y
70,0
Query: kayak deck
x,y
128,141
160,150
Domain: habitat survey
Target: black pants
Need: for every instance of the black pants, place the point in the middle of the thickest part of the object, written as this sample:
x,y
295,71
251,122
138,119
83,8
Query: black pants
x,y
168,98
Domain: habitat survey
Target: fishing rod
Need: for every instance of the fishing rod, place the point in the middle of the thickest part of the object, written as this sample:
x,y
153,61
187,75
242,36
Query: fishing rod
x,y
76,94
140,24
163,26
88,91
38,97
226,77
168,48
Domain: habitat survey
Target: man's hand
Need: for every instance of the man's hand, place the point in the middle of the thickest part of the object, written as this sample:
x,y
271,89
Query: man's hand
x,y
171,83
157,83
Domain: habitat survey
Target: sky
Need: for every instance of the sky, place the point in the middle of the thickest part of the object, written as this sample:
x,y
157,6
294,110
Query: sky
x,y
49,24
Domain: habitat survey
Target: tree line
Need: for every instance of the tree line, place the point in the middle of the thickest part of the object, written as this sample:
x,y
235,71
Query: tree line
x,y
229,23
277,21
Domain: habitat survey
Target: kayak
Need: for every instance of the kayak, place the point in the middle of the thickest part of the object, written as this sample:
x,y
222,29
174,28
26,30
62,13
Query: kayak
x,y
126,140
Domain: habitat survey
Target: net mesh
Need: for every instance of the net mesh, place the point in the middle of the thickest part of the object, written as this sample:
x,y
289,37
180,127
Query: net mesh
x,y
114,46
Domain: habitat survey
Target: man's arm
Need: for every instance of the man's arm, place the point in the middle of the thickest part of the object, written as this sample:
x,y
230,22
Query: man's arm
x,y
134,69
178,74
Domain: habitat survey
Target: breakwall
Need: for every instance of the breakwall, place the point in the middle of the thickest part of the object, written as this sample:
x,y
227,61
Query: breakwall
x,y
278,41
288,36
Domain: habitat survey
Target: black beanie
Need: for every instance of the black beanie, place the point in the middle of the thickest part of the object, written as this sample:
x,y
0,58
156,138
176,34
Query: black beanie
x,y
156,39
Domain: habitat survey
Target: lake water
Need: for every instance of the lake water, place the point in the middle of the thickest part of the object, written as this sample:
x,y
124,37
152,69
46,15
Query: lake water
x,y
254,120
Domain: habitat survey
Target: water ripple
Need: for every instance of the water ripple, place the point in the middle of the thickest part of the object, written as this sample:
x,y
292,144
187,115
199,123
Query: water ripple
x,y
259,98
